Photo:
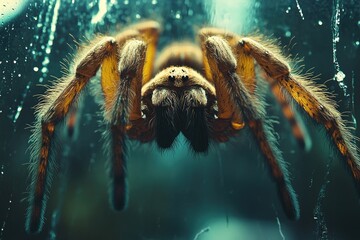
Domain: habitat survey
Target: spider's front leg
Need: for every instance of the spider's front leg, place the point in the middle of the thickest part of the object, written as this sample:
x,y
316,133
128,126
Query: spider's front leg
x,y
311,98
245,69
52,110
222,64
126,108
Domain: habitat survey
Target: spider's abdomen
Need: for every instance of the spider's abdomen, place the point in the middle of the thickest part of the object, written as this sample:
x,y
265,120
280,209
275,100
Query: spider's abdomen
x,y
180,54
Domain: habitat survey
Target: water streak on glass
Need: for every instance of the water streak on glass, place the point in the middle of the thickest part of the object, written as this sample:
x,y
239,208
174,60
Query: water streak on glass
x,y
280,229
339,75
48,29
319,214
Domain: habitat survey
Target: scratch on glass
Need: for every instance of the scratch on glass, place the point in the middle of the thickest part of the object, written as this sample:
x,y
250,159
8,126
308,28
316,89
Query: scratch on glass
x,y
300,10
205,230
339,75
6,217
319,217
280,230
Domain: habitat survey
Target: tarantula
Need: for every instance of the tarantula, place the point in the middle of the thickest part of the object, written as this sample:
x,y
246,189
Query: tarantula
x,y
207,93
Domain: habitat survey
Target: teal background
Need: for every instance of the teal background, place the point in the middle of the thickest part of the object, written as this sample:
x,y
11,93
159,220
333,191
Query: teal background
x,y
175,194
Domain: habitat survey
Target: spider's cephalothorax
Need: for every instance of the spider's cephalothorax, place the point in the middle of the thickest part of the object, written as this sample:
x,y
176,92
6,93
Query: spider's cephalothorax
x,y
206,92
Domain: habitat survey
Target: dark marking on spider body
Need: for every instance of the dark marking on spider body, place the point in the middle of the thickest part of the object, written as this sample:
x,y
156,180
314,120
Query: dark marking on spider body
x,y
206,92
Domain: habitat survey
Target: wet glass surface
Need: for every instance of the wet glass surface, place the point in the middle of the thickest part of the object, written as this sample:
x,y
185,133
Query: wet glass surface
x,y
224,194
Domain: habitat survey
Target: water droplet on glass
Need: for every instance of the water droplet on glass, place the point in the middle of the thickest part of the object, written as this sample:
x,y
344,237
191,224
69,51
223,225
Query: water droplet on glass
x,y
340,75
177,15
17,114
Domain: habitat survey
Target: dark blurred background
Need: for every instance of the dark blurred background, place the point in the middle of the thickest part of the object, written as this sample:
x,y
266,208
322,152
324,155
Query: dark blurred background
x,y
225,194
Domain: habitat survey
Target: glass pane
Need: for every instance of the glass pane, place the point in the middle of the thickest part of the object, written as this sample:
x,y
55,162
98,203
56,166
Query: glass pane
x,y
225,193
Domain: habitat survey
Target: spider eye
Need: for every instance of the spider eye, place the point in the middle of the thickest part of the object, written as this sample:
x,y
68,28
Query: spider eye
x,y
172,78
185,78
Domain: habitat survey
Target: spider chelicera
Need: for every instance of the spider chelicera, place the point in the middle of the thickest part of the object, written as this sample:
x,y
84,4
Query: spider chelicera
x,y
207,93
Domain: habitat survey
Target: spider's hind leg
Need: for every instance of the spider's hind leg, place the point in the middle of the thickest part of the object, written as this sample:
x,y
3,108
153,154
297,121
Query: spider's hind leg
x,y
298,128
74,117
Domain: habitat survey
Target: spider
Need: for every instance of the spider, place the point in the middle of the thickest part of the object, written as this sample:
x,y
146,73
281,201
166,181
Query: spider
x,y
206,92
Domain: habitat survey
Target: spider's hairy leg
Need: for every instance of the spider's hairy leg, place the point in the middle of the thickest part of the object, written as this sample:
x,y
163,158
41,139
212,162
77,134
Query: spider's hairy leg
x,y
73,117
246,71
50,112
222,62
314,100
298,129
245,59
245,66
224,102
125,107
149,31
71,121
225,108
